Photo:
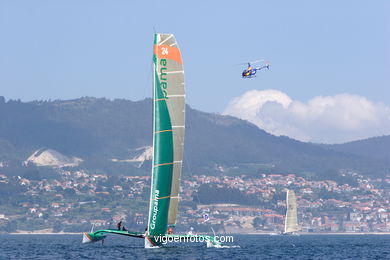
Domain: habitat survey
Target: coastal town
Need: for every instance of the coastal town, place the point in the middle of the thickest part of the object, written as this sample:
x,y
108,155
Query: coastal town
x,y
78,200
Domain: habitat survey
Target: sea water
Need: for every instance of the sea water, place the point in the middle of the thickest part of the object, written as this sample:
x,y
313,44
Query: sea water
x,y
243,247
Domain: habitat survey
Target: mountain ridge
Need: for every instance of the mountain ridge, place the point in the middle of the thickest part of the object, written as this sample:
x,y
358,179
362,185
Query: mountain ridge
x,y
98,130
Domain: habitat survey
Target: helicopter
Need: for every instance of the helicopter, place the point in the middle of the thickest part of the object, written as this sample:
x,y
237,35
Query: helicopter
x,y
250,72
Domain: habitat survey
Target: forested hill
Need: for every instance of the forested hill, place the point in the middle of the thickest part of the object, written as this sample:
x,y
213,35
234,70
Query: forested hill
x,y
108,135
375,147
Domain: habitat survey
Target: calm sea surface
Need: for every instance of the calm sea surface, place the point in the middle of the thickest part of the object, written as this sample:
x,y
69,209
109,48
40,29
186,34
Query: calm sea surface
x,y
250,247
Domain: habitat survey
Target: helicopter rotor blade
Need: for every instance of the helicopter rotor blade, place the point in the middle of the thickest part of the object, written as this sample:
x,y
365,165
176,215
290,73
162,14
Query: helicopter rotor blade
x,y
240,64
250,62
256,61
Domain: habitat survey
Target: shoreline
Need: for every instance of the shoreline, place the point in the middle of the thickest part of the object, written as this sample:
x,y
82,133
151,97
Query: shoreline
x,y
329,233
43,233
254,233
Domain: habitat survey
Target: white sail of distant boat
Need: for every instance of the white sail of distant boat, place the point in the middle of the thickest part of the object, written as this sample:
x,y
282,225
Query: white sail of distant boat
x,y
291,221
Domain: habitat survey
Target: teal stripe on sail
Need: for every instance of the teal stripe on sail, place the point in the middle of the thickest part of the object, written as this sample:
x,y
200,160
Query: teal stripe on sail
x,y
170,68
162,160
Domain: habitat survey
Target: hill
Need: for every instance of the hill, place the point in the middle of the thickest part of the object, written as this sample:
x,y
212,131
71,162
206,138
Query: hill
x,y
115,137
376,148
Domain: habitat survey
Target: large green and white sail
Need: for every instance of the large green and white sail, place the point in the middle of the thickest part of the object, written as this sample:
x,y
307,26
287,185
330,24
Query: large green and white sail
x,y
168,141
168,133
291,221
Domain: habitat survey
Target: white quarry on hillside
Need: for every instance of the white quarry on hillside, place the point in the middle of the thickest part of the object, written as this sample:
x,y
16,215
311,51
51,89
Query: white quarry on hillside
x,y
50,157
142,154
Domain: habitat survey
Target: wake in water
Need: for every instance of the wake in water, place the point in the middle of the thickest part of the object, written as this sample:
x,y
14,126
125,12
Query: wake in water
x,y
225,246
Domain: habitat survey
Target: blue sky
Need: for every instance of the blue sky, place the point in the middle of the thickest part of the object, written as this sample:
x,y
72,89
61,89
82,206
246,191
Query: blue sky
x,y
67,49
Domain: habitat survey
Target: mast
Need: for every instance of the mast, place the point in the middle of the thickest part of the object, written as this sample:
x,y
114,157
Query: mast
x,y
291,222
168,133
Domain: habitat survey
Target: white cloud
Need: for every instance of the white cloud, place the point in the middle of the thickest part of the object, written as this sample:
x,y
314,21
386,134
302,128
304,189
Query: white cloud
x,y
323,119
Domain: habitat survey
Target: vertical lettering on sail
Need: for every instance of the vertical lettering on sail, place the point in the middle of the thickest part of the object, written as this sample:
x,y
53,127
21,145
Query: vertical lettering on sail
x,y
168,136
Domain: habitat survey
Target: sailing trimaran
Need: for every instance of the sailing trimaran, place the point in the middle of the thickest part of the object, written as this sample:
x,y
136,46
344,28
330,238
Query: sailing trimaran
x,y
168,142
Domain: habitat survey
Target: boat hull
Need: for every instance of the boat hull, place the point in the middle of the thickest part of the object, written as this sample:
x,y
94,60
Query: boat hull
x,y
92,237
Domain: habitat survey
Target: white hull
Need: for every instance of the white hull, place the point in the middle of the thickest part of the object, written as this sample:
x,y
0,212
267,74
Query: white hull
x,y
86,238
149,244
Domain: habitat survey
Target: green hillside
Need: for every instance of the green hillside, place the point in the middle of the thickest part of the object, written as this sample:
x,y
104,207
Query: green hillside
x,y
99,130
